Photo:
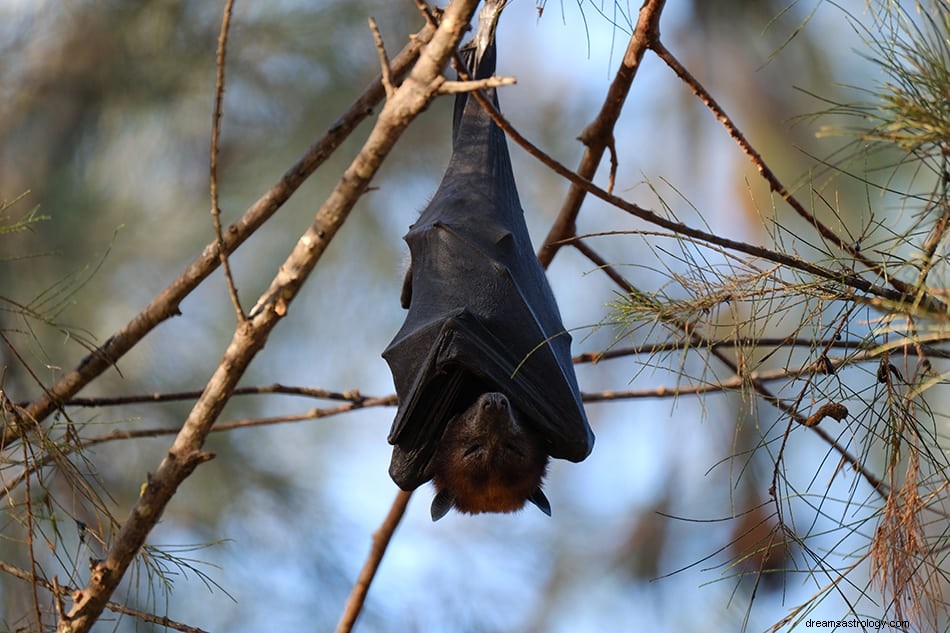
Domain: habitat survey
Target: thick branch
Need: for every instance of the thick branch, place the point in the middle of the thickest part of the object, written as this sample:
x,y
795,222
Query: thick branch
x,y
165,304
185,454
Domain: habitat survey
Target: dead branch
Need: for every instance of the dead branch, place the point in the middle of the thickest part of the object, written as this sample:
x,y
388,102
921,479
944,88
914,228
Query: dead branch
x,y
384,66
454,87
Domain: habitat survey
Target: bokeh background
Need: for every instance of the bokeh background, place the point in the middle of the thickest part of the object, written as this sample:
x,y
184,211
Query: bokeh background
x,y
105,112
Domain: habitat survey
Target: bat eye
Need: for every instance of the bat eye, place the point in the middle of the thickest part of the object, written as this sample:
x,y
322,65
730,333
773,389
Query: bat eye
x,y
471,450
510,447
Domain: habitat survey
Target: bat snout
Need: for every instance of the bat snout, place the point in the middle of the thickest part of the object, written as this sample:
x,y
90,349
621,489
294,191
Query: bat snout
x,y
494,402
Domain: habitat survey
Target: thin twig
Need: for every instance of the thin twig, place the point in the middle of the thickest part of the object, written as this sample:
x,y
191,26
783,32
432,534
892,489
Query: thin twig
x,y
936,235
614,163
836,276
602,264
381,538
58,598
354,395
455,87
778,462
165,304
697,341
775,342
734,382
215,134
29,543
23,419
173,396
383,58
246,423
932,303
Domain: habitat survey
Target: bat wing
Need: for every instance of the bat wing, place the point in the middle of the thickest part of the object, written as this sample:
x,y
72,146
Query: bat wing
x,y
482,316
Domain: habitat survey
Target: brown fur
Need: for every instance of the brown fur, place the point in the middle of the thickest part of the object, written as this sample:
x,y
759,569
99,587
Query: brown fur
x,y
487,460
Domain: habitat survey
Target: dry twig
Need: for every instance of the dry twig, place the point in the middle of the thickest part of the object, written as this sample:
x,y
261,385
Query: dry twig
x,y
215,134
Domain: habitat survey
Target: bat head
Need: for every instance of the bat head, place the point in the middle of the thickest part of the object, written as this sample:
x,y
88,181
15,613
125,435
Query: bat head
x,y
488,461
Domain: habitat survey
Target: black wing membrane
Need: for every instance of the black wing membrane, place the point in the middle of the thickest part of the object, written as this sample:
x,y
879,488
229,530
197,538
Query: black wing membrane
x,y
482,316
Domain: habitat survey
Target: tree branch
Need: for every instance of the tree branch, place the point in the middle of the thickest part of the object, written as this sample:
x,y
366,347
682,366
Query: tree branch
x,y
599,134
931,302
165,304
307,392
774,342
130,434
185,454
381,538
698,341
215,134
384,67
836,276
454,87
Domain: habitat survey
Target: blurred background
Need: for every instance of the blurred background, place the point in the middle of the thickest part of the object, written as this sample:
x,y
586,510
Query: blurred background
x,y
105,113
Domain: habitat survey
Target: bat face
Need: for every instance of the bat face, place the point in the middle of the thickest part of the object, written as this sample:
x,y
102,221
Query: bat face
x,y
488,461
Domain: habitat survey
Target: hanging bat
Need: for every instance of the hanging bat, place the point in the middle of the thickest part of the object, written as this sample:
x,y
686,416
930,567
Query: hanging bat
x,y
482,365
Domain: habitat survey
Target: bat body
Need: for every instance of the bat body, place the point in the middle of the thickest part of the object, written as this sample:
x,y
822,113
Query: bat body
x,y
482,359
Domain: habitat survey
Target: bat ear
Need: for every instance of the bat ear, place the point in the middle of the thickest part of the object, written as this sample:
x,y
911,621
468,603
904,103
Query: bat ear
x,y
442,503
537,498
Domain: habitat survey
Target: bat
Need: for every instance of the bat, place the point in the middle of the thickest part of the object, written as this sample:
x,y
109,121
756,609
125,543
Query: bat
x,y
482,364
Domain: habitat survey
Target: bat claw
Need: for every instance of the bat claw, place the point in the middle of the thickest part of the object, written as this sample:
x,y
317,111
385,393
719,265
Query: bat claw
x,y
442,503
537,498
